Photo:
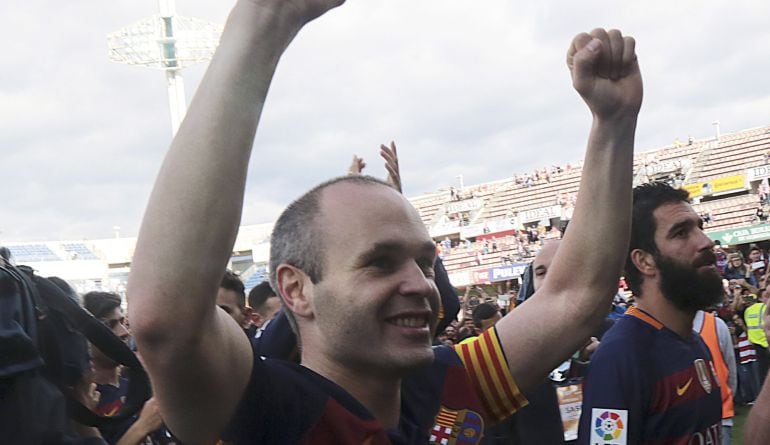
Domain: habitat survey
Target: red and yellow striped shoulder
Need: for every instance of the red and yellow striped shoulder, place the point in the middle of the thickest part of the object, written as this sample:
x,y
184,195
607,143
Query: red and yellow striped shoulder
x,y
487,367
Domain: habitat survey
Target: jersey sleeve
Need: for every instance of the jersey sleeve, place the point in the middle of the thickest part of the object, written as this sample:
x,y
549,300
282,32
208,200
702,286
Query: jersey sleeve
x,y
613,396
487,367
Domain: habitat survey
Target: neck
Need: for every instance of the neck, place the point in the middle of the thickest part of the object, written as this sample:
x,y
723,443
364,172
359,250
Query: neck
x,y
657,305
106,376
378,393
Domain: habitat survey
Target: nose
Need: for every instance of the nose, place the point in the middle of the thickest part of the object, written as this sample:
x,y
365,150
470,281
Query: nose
x,y
706,243
122,331
415,282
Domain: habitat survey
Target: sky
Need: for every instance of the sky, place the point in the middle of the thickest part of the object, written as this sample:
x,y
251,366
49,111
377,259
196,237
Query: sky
x,y
478,89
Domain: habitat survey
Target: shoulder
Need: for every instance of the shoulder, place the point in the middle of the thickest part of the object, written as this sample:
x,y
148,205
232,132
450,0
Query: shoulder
x,y
278,397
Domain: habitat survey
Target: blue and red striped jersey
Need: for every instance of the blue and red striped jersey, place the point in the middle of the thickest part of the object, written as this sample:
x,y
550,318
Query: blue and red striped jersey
x,y
646,385
449,402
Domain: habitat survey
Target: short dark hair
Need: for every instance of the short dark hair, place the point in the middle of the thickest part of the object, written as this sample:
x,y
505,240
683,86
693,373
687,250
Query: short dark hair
x,y
647,198
5,255
484,311
296,239
259,294
231,281
100,304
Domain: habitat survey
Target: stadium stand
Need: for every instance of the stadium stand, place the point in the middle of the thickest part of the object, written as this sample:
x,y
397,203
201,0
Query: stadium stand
x,y
727,175
79,251
24,253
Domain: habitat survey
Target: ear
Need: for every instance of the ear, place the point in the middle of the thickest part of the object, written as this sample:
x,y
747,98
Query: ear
x,y
296,290
644,262
247,314
255,317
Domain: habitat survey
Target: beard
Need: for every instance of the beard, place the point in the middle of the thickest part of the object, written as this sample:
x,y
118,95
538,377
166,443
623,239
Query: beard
x,y
687,288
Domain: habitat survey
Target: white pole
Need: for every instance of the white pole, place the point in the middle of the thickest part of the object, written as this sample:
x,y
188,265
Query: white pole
x,y
177,102
176,98
167,8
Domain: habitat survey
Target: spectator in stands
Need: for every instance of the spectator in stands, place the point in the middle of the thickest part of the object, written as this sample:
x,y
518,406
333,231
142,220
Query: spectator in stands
x,y
764,192
721,255
485,315
112,387
748,375
264,304
231,298
760,215
753,316
348,236
757,261
737,269
670,270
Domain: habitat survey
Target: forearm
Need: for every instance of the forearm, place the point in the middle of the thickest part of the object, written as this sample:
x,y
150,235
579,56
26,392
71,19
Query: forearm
x,y
134,435
203,177
758,423
595,246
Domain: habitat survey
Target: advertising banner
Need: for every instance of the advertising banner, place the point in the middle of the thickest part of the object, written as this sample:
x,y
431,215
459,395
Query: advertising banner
x,y
750,234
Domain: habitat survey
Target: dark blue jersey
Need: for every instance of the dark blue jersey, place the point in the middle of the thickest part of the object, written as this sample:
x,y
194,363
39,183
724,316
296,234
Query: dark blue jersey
x,y
448,402
648,385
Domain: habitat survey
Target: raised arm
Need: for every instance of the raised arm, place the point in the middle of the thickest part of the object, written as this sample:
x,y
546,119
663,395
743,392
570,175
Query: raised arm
x,y
583,277
197,356
758,423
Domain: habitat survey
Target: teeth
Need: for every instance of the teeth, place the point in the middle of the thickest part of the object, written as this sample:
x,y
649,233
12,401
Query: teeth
x,y
410,322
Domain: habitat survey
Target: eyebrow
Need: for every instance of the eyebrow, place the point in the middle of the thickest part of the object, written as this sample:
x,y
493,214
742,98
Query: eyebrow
x,y
686,224
427,249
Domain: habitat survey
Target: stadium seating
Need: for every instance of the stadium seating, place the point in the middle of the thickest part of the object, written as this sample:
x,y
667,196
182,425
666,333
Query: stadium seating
x,y
497,202
79,251
24,253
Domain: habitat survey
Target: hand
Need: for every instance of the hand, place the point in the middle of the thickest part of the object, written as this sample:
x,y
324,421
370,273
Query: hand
x,y
150,417
357,165
588,350
303,11
85,392
606,73
766,326
391,165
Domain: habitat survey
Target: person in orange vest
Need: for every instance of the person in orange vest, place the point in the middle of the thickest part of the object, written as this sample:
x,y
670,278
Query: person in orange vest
x,y
716,334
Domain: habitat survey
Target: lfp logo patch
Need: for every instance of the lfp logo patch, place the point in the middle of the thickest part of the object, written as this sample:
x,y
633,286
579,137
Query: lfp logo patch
x,y
609,426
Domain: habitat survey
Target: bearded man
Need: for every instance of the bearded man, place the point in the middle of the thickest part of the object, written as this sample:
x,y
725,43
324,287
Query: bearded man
x,y
652,379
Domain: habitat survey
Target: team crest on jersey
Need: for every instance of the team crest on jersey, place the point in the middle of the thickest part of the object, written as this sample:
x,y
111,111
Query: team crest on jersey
x,y
703,374
461,427
609,426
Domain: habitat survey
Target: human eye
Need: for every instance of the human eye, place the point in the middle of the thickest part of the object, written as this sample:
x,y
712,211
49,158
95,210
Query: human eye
x,y
426,264
382,263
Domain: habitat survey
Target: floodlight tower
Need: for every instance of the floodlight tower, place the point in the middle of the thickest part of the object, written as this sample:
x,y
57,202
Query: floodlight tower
x,y
167,42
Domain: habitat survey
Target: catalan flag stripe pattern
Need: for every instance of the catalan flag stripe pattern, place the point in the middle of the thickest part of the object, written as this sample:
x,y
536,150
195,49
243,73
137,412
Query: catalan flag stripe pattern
x,y
485,362
446,418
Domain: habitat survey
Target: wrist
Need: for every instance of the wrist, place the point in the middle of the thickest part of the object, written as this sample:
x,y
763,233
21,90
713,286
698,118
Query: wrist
x,y
276,24
283,15
620,118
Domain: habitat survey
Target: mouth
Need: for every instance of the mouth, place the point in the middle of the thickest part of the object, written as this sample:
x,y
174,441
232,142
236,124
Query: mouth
x,y
707,260
409,322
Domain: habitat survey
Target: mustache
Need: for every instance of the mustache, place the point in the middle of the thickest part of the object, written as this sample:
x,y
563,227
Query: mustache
x,y
707,258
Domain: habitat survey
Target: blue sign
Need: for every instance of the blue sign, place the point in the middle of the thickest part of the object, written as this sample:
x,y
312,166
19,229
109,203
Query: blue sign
x,y
507,272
